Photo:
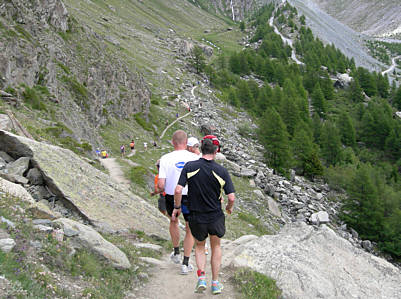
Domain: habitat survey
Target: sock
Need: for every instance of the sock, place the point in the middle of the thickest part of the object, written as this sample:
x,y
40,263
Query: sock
x,y
201,273
176,250
185,261
215,282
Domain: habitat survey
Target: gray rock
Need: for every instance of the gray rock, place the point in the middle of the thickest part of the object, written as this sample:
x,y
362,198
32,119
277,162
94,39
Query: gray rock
x,y
6,157
70,232
354,233
18,167
4,234
259,193
150,246
92,240
247,172
270,189
6,245
14,178
88,190
316,263
43,228
274,207
151,261
5,123
35,177
319,217
2,163
39,192
47,222
366,244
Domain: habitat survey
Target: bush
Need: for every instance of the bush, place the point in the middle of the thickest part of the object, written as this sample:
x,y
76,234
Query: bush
x,y
34,98
142,122
138,175
254,285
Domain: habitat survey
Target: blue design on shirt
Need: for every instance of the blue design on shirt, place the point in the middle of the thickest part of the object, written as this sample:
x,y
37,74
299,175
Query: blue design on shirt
x,y
180,165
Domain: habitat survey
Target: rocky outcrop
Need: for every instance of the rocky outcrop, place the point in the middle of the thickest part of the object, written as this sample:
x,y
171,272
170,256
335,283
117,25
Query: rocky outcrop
x,y
86,190
316,263
40,44
84,236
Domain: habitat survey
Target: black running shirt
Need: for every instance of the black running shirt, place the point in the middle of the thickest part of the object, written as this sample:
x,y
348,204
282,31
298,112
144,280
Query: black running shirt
x,y
206,181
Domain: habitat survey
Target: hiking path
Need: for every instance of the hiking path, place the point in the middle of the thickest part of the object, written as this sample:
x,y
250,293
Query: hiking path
x,y
166,282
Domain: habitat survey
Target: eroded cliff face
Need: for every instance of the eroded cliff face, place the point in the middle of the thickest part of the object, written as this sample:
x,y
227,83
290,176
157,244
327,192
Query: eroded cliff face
x,y
237,10
42,44
378,18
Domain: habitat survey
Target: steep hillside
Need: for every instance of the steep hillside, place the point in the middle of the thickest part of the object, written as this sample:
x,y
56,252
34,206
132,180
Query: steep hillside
x,y
332,31
375,18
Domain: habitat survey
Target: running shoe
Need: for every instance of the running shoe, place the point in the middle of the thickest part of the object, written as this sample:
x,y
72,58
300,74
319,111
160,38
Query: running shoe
x,y
185,269
217,288
206,249
201,285
176,259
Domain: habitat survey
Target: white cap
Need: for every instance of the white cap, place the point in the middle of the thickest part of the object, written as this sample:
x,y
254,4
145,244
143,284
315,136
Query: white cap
x,y
192,141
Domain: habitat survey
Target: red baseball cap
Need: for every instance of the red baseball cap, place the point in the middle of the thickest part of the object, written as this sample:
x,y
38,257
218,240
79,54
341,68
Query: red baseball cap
x,y
214,140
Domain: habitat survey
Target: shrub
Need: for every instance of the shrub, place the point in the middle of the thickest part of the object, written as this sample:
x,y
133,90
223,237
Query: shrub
x,y
254,285
34,98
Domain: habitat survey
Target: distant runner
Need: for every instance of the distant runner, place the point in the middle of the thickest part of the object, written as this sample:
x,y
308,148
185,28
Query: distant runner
x,y
122,150
132,145
206,179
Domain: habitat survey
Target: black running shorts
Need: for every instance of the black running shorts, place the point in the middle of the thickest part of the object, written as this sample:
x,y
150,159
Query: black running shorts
x,y
161,203
200,231
170,205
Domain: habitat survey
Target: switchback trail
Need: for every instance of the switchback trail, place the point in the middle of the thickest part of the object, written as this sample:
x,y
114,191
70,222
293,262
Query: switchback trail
x,y
392,67
170,125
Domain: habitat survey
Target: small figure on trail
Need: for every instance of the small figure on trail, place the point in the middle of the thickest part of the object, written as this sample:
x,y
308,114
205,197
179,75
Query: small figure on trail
x,y
161,204
154,144
145,146
176,115
132,145
98,152
104,154
206,179
189,108
122,150
171,165
166,122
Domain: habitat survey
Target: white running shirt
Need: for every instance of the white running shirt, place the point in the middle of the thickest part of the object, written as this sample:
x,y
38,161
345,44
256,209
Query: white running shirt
x,y
171,165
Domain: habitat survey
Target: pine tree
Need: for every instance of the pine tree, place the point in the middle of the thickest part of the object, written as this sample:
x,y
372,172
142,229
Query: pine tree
x,y
244,95
397,99
347,129
331,144
356,92
318,101
305,154
362,209
197,59
273,135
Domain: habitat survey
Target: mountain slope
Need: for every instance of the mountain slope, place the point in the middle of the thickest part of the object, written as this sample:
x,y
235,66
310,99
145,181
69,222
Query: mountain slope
x,y
376,18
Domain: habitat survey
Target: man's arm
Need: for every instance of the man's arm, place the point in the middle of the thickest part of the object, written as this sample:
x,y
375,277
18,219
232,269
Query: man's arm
x,y
161,183
230,203
177,202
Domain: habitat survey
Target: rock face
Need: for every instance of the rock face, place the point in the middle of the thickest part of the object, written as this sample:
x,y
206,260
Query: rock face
x,y
88,238
85,189
35,50
316,263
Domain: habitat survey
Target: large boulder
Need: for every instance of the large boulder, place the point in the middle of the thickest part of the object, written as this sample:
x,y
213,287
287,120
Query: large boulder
x,y
309,262
5,122
86,189
90,239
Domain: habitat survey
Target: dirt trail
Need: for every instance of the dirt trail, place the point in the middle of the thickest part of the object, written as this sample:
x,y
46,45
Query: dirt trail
x,y
167,283
170,125
115,172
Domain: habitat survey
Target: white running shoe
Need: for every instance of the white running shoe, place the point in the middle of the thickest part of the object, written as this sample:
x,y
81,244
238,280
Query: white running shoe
x,y
185,269
176,259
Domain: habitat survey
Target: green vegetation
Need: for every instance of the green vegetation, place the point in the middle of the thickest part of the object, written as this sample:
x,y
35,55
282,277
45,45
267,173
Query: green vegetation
x,y
197,59
306,125
36,272
138,175
254,285
79,91
257,223
35,96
